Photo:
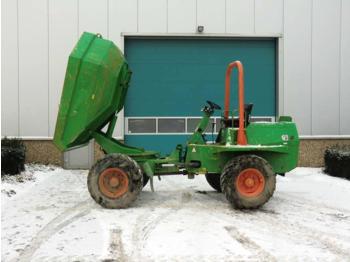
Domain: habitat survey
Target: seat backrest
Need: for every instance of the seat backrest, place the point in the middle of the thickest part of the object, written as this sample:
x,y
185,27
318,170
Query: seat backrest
x,y
247,112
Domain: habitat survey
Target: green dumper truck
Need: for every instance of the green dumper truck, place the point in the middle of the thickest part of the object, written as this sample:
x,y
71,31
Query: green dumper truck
x,y
242,162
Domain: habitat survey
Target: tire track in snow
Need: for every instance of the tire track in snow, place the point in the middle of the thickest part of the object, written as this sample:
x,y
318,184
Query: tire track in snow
x,y
304,202
116,247
249,244
319,211
317,239
54,226
328,242
244,240
143,231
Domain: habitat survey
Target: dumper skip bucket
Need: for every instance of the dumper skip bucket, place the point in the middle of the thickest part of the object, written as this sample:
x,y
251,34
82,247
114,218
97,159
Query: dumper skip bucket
x,y
95,85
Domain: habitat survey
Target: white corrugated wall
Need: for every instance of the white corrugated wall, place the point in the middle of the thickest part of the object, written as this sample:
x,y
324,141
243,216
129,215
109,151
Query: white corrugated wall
x,y
38,35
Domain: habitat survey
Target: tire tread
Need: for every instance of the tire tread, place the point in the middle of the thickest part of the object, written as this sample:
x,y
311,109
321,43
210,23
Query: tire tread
x,y
124,162
231,172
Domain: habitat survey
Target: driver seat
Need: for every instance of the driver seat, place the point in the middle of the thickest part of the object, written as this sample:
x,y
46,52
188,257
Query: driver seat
x,y
235,123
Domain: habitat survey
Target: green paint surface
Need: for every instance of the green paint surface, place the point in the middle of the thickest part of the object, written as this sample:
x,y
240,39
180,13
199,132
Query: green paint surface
x,y
94,89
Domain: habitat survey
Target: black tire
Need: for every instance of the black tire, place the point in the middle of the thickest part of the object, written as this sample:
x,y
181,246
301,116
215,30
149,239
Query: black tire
x,y
230,174
145,179
214,181
131,170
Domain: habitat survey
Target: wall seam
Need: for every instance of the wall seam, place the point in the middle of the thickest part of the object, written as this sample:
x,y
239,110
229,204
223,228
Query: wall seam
x,y
18,78
167,16
254,17
311,62
339,66
225,16
137,15
195,28
108,19
283,63
48,67
78,19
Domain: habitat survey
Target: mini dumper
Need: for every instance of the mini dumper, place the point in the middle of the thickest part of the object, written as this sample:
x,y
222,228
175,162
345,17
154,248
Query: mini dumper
x,y
242,162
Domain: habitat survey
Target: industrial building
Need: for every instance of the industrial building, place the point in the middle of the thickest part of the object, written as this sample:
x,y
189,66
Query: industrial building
x,y
295,53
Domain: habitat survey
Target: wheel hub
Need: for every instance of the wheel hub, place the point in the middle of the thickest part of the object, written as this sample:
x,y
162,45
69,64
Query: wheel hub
x,y
113,182
250,182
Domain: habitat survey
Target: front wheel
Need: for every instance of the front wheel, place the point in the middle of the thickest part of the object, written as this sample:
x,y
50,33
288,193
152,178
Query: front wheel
x,y
248,181
115,181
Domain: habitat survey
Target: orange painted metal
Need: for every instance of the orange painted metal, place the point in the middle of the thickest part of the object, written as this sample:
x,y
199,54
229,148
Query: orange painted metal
x,y
250,182
241,136
113,182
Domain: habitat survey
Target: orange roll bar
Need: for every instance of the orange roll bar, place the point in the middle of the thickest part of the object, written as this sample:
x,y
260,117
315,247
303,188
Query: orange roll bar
x,y
241,137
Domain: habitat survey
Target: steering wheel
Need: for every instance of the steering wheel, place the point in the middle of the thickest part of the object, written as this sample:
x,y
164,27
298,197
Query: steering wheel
x,y
213,105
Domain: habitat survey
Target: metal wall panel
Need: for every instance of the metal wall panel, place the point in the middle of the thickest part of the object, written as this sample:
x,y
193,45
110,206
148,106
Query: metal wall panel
x,y
32,71
325,67
93,17
297,62
240,16
181,16
122,18
212,15
269,16
152,16
9,69
33,67
63,35
80,158
345,69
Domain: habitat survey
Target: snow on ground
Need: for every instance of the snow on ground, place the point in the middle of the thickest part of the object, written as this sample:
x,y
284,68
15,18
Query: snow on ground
x,y
51,217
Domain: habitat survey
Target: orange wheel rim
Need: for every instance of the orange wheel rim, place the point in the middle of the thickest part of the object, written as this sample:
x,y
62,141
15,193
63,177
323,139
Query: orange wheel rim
x,y
113,182
250,182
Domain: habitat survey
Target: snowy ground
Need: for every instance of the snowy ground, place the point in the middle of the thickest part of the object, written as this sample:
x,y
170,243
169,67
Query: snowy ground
x,y
51,217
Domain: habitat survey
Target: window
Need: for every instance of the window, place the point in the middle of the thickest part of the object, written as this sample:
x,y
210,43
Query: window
x,y
176,125
141,125
218,124
193,122
260,119
171,125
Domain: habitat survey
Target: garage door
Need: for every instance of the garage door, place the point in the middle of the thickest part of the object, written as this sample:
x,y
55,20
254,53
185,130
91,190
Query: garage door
x,y
172,79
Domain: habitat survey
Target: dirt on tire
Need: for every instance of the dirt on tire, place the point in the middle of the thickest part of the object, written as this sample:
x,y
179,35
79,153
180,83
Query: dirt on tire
x,y
230,174
135,180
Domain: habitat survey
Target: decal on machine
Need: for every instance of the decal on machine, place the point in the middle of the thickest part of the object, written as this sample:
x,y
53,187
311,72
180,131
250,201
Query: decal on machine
x,y
285,137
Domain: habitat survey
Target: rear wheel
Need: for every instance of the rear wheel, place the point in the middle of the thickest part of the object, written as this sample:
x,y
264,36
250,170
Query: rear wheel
x,y
145,179
248,181
213,181
115,181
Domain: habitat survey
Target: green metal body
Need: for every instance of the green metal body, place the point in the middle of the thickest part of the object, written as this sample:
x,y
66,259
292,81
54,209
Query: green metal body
x,y
94,90
95,86
278,143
